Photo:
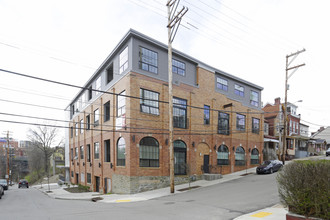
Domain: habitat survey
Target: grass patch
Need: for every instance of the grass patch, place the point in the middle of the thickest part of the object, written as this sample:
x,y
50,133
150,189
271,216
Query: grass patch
x,y
78,189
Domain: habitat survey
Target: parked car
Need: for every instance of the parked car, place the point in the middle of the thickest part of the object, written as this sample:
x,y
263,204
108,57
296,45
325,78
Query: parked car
x,y
3,183
269,166
23,183
1,191
327,153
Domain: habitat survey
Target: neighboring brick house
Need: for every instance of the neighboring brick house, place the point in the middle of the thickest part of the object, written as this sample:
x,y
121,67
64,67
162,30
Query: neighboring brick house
x,y
118,137
274,117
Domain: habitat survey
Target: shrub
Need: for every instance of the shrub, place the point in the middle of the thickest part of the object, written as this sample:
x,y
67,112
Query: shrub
x,y
304,186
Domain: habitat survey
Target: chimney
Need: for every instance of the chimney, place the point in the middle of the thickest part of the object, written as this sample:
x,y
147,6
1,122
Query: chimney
x,y
278,101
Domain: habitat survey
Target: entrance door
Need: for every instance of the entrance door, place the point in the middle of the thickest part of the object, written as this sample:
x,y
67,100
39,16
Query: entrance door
x,y
206,164
97,184
77,178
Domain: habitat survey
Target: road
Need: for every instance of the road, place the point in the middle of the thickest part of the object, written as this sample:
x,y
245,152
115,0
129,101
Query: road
x,y
221,201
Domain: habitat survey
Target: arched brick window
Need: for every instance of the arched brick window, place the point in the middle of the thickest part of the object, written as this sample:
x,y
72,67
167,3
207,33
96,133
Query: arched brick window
x,y
149,152
223,155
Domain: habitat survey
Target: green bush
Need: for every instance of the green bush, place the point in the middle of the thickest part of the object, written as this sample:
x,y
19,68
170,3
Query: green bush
x,y
304,186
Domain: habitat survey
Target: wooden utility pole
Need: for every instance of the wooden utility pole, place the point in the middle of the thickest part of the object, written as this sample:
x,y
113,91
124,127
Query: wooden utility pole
x,y
172,27
8,158
287,68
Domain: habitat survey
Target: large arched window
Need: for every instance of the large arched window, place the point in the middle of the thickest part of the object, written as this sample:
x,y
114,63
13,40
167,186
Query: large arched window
x,y
254,156
223,155
240,156
149,152
121,147
180,153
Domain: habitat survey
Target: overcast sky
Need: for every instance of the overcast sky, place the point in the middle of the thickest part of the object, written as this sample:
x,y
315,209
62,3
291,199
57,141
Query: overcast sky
x,y
67,40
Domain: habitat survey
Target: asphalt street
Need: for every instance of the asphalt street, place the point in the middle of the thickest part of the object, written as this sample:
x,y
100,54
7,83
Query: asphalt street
x,y
221,201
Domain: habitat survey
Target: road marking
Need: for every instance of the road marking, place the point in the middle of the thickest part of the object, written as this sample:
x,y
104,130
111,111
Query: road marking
x,y
123,200
261,214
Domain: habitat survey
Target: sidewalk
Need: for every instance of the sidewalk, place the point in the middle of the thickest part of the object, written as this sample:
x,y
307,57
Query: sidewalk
x,y
58,192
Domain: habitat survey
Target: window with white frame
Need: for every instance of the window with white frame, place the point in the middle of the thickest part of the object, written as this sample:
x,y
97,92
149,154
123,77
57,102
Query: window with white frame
x,y
222,84
82,152
76,128
98,85
81,126
148,60
239,90
149,102
96,150
121,104
254,98
123,60
96,117
121,152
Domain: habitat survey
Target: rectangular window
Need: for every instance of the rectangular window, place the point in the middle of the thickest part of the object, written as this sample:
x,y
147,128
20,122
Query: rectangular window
x,y
147,103
71,131
179,113
82,177
71,154
96,150
81,126
82,152
223,123
107,151
148,60
89,178
110,73
222,84
240,122
254,98
76,153
239,90
121,104
123,60
178,67
206,115
88,122
90,93
76,128
107,111
96,117
88,153
98,85
255,125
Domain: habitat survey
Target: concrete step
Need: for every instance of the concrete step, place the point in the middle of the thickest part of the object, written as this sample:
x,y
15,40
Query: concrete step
x,y
210,176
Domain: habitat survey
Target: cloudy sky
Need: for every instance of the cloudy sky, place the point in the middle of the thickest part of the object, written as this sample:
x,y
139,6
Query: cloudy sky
x,y
66,41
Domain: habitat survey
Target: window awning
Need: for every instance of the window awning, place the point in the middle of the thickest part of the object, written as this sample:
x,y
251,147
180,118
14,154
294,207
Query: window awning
x,y
270,140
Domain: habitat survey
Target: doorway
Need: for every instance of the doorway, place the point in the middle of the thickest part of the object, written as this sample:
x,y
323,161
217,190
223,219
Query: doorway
x,y
97,184
206,164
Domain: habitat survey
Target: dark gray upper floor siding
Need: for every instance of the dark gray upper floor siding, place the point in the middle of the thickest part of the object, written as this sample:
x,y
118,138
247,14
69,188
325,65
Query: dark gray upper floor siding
x,y
134,40
190,67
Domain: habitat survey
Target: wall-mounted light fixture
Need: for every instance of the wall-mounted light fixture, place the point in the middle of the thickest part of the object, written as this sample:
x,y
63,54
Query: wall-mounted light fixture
x,y
99,164
90,164
193,144
111,165
166,141
83,163
215,147
233,148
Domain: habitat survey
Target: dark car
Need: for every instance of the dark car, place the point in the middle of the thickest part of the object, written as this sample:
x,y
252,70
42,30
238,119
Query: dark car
x,y
327,153
1,191
23,183
269,166
3,183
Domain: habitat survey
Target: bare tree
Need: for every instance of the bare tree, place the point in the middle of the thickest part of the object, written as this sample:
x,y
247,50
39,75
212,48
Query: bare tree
x,y
43,138
36,163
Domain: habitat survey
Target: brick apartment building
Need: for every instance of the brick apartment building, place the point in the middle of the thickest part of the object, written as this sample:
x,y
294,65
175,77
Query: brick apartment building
x,y
118,136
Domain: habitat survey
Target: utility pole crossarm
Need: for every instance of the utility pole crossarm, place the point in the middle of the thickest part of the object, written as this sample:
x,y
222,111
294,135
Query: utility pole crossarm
x,y
294,67
296,53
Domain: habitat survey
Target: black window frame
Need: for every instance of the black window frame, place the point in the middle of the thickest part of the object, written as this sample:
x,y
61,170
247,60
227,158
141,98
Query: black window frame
x,y
179,107
81,149
221,161
177,69
107,151
90,93
255,129
97,150
106,110
147,104
223,123
88,122
89,178
240,150
88,152
239,119
146,61
253,160
149,152
96,115
206,114
109,72
121,161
